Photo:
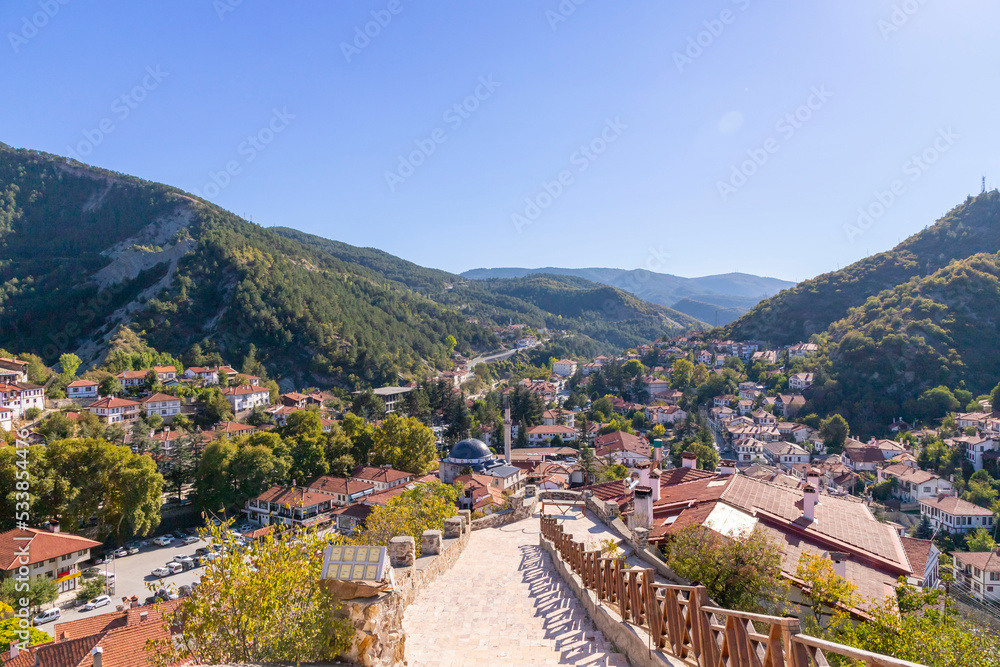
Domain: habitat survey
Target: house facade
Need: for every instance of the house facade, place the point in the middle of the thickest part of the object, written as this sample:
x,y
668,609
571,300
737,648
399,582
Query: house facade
x,y
247,397
163,405
50,554
111,410
955,515
20,397
80,389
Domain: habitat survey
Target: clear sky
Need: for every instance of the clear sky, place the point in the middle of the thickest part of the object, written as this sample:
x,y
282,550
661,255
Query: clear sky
x,y
592,134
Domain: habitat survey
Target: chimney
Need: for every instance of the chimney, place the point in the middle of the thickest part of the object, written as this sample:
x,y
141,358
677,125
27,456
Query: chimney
x,y
839,563
506,431
812,477
727,467
143,615
654,483
98,654
689,460
809,498
53,526
657,450
643,507
15,648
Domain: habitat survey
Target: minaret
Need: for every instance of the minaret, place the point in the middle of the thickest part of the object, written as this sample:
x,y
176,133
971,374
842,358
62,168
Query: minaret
x,y
506,430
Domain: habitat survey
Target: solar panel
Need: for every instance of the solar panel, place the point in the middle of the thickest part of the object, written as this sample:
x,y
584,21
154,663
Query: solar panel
x,y
354,563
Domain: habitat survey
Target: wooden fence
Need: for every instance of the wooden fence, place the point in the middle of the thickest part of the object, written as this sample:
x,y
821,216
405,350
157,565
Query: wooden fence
x,y
681,621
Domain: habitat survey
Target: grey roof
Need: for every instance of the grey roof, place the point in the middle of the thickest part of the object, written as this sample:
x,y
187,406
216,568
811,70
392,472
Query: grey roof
x,y
503,471
391,391
470,449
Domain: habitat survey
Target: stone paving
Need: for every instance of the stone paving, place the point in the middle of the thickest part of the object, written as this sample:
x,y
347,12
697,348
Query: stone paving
x,y
502,603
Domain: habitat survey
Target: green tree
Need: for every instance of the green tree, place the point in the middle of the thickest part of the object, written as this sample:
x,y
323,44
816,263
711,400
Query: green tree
x,y
824,591
217,406
40,592
405,444
834,431
740,572
69,363
980,540
423,507
10,631
109,386
264,604
681,373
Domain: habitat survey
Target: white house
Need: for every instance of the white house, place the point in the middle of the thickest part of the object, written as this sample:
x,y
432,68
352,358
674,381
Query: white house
x,y
112,410
564,367
164,373
538,435
668,414
6,419
749,449
559,416
45,554
78,389
162,404
21,396
914,484
785,454
209,375
704,357
803,350
13,370
955,515
247,397
978,573
132,379
800,381
976,447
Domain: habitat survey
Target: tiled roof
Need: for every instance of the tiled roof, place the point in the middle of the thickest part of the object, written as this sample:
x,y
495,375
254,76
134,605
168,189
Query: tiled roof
x,y
620,441
156,398
956,506
379,474
908,473
340,485
244,389
988,561
82,383
843,520
41,544
111,402
865,454
296,497
917,552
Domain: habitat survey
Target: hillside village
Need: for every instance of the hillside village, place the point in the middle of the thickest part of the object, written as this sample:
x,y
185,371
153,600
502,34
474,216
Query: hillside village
x,y
676,433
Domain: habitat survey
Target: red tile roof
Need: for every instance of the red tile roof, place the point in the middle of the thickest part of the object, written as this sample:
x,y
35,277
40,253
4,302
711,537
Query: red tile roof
x,y
386,475
339,485
956,506
41,545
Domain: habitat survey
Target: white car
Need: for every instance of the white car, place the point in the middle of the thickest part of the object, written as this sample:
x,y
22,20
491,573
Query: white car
x,y
46,616
99,601
190,540
163,540
161,572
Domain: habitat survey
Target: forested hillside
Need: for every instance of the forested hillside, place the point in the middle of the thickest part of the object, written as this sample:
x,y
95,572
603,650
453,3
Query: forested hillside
x,y
811,306
83,251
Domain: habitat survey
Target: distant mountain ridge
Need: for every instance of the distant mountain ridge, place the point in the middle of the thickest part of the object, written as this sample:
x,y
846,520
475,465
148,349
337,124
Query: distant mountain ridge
x,y
717,299
85,251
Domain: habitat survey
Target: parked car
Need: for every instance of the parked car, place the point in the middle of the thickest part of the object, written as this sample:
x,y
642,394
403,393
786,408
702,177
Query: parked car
x,y
99,601
174,567
191,540
120,552
152,599
161,572
163,540
46,616
186,561
91,572
184,590
133,551
201,551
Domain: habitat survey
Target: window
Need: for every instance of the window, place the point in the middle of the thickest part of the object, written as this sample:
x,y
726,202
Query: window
x,y
994,576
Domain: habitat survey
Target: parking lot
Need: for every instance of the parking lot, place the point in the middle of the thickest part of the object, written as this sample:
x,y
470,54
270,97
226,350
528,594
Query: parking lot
x,y
133,575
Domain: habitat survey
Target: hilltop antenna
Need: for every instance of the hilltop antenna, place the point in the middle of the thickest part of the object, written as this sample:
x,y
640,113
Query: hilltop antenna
x,y
984,186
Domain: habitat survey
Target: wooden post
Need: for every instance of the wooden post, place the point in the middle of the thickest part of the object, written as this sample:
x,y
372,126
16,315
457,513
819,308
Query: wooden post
x,y
705,649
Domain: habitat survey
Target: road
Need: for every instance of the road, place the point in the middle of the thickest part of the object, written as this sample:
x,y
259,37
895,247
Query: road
x,y
499,355
132,574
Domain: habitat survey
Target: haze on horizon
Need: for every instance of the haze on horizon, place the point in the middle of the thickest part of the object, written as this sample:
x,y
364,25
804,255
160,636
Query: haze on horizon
x,y
433,135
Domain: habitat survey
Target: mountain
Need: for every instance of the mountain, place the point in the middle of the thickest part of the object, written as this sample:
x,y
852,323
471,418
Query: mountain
x,y
718,299
894,327
811,306
86,251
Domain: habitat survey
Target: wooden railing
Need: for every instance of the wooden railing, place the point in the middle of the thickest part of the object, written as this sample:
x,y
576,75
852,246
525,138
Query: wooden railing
x,y
681,621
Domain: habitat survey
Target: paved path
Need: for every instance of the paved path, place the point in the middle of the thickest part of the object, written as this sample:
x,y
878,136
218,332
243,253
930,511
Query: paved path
x,y
502,603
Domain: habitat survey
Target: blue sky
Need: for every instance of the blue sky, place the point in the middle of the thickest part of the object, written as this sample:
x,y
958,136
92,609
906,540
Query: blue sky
x,y
685,137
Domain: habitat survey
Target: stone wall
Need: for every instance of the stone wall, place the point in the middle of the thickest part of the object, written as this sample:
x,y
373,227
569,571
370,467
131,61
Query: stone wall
x,y
521,508
379,640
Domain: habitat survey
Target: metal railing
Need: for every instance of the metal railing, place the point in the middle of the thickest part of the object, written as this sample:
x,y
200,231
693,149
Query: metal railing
x,y
681,621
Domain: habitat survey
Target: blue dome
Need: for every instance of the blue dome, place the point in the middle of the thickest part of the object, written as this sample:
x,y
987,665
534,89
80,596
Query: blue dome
x,y
470,449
